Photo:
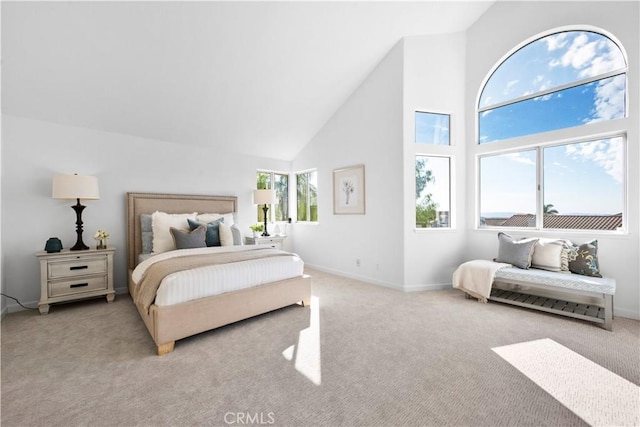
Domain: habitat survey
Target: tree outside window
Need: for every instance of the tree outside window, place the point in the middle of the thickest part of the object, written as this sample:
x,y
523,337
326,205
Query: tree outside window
x,y
307,196
433,192
280,183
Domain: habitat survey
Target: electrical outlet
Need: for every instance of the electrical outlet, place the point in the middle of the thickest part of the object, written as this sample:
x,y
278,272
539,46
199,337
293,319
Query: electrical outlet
x,y
358,262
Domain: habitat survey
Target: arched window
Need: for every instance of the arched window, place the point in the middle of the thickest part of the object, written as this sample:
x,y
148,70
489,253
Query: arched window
x,y
564,80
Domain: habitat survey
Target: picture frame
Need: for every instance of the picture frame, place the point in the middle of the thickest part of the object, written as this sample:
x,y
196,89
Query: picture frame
x,y
349,191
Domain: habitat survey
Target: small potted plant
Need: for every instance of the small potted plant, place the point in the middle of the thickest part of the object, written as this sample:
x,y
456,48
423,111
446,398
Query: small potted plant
x,y
257,229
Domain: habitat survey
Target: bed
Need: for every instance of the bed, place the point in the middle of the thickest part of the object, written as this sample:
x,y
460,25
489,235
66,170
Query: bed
x,y
169,323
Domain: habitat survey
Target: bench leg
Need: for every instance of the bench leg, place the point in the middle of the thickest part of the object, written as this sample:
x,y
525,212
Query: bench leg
x,y
608,312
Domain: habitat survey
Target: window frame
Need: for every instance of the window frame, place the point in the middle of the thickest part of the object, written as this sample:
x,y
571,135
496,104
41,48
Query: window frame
x,y
308,201
270,184
539,155
450,157
538,141
451,151
415,128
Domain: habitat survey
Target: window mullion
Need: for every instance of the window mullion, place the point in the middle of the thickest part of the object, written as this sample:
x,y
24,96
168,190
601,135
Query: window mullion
x,y
539,188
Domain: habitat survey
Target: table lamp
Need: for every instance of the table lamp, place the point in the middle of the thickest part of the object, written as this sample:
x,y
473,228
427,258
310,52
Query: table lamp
x,y
69,187
266,197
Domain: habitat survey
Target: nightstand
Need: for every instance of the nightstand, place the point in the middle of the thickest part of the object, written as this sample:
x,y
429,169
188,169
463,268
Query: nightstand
x,y
73,275
270,241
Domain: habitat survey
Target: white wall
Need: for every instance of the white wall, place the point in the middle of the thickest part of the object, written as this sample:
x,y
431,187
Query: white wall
x,y
367,130
34,151
434,82
506,25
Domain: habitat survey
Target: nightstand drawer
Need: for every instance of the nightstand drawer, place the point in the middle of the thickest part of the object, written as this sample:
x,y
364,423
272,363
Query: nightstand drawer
x,y
81,285
75,268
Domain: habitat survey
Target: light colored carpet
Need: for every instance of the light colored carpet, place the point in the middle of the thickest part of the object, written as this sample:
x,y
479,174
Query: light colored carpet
x,y
595,394
363,355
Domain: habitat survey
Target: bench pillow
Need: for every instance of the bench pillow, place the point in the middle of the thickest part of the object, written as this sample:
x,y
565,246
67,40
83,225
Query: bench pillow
x,y
551,255
583,259
515,252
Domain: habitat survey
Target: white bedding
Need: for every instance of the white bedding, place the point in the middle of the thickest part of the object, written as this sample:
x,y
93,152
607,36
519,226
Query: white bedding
x,y
217,279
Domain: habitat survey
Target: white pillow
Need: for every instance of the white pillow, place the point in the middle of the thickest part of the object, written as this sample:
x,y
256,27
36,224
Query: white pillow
x,y
161,222
226,236
548,255
229,218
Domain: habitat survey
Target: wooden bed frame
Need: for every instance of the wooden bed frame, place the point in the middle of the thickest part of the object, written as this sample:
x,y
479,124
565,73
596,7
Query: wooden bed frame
x,y
170,323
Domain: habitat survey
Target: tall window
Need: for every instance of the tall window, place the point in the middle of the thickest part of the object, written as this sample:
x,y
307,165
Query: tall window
x,y
307,195
433,172
569,81
280,183
432,191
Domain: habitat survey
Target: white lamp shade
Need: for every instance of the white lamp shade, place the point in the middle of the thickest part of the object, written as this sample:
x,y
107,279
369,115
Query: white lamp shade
x,y
75,187
264,197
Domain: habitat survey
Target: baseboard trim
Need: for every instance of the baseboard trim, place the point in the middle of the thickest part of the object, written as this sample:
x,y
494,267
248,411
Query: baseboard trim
x,y
410,288
433,287
14,307
121,291
629,314
356,277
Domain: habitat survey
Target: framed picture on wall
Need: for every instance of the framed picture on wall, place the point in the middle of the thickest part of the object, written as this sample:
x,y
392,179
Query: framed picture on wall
x,y
348,190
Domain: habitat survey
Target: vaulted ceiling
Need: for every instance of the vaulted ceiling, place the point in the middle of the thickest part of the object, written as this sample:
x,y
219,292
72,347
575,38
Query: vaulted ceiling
x,y
257,78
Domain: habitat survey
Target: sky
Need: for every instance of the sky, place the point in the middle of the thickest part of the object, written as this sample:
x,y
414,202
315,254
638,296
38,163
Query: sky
x,y
580,178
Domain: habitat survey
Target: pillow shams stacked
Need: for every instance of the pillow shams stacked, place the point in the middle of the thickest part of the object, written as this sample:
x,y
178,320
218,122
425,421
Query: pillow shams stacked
x,y
147,233
213,233
189,239
161,223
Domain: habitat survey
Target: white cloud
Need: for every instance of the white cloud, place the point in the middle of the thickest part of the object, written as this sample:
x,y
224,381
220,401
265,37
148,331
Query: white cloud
x,y
605,153
609,102
556,41
590,58
518,157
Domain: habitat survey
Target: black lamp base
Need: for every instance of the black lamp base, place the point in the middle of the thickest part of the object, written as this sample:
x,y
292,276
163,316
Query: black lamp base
x,y
265,209
79,246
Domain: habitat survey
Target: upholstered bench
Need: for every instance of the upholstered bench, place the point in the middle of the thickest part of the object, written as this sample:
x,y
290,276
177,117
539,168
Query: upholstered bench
x,y
516,286
552,275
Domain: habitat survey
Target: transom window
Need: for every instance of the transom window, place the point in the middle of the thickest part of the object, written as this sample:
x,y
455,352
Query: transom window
x,y
573,180
562,80
432,128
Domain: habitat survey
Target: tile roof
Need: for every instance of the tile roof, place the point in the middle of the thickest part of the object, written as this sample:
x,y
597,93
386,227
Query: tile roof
x,y
574,222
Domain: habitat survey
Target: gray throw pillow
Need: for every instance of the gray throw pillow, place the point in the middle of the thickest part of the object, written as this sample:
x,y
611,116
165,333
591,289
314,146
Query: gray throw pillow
x,y
189,239
213,230
515,252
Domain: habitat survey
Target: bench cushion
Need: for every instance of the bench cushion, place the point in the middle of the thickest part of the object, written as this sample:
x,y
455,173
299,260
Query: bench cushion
x,y
567,281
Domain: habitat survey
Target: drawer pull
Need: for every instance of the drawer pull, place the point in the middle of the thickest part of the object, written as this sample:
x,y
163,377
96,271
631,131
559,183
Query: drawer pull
x,y
78,285
79,267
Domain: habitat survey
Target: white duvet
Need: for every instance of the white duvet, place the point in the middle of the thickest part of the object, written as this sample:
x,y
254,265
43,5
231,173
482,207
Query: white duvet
x,y
217,279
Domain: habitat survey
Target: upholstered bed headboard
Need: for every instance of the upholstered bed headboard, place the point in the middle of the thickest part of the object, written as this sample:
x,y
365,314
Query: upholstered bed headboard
x,y
148,203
